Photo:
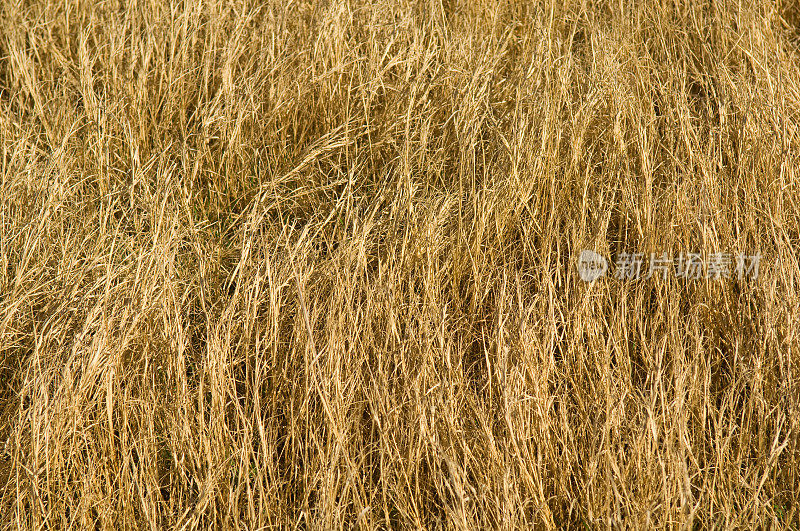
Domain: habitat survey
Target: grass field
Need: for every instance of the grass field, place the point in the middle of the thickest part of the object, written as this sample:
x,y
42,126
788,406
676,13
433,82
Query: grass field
x,y
315,264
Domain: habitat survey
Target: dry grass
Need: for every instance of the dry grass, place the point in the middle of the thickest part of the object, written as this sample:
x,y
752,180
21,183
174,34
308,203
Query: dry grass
x,y
312,265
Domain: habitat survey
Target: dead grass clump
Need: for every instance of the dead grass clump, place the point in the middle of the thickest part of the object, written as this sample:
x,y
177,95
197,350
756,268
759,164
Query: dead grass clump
x,y
314,264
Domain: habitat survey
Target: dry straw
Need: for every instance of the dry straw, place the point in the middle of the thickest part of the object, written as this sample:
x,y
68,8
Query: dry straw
x,y
292,264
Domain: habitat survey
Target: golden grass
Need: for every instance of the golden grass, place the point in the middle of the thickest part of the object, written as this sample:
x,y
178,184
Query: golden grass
x,y
313,265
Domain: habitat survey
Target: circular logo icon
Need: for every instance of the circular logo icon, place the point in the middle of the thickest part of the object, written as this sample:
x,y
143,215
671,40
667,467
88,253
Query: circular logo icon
x,y
591,265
